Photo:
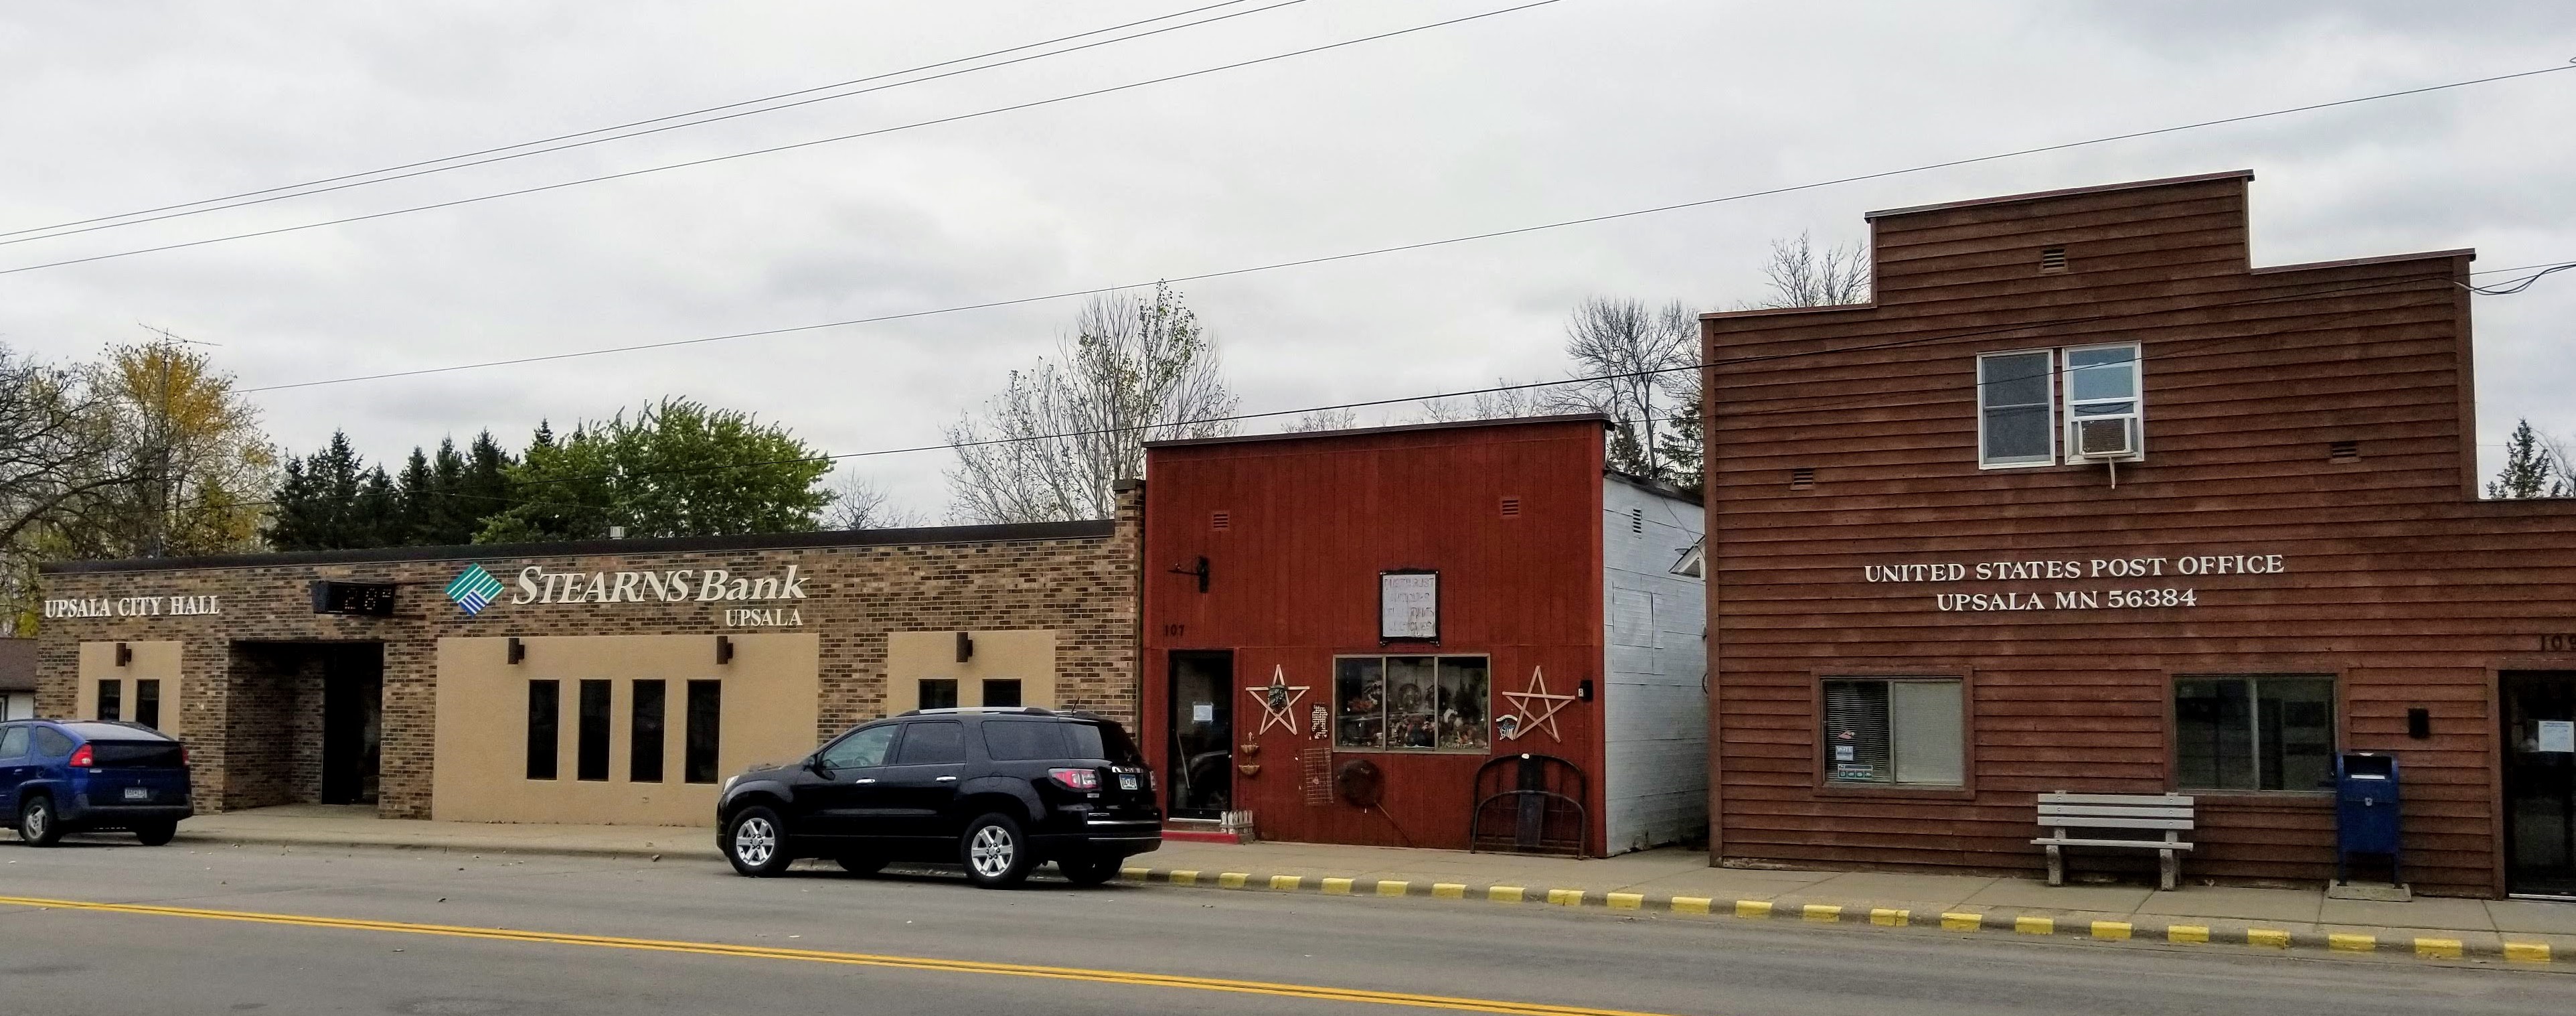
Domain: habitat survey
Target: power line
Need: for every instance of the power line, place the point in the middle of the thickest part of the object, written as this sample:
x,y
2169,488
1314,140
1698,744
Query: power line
x,y
1303,262
273,193
786,147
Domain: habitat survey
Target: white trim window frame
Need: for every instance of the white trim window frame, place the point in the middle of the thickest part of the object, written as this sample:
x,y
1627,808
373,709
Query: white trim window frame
x,y
2090,391
2020,383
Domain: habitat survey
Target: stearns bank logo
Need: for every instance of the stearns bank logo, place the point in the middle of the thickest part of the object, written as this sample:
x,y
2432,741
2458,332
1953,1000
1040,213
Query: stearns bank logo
x,y
473,589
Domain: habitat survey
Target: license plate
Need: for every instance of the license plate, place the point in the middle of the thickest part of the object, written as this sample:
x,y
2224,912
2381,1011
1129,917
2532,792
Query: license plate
x,y
137,794
1127,781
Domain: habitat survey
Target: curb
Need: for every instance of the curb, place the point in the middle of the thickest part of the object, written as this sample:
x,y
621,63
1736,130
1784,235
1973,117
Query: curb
x,y
2250,937
677,851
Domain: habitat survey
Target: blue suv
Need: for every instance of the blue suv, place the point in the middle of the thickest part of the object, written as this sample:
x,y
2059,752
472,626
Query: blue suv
x,y
69,777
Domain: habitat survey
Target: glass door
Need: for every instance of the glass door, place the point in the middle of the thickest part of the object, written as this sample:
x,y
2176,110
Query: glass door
x,y
2540,783
1201,759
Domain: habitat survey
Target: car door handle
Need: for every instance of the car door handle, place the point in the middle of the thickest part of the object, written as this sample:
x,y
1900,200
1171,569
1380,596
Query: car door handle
x,y
870,779
948,779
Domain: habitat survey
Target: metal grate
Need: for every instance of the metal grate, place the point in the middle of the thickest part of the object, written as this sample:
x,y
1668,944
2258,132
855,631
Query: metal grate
x,y
1802,478
2052,259
1220,520
2344,451
1511,507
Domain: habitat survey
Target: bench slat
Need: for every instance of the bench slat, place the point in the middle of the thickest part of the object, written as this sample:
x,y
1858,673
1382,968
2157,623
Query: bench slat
x,y
2175,800
2104,811
2139,844
2095,822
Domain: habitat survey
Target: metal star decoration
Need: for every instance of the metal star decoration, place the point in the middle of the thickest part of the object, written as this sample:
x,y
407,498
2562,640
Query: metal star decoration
x,y
1528,720
1278,701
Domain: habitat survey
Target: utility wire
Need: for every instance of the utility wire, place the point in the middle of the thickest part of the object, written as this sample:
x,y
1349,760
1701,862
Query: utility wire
x,y
787,147
272,194
1302,262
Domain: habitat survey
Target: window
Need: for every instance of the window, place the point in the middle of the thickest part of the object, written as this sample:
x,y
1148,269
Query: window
x,y
2102,385
590,749
863,750
706,717
111,700
51,743
1894,732
644,733
938,693
545,709
1021,742
13,742
1001,692
147,703
1422,703
930,744
2014,411
2254,733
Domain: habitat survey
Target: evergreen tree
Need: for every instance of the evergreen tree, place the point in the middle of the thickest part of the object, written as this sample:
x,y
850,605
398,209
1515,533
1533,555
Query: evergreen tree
x,y
1684,449
416,502
483,485
316,505
2529,468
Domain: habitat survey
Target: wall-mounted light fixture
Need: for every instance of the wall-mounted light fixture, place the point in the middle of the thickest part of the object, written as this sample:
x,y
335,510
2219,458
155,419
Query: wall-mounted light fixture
x,y
1583,691
965,647
124,655
1200,569
518,650
724,649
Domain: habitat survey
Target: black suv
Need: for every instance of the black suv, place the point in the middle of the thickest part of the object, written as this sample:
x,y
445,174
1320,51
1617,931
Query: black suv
x,y
1000,790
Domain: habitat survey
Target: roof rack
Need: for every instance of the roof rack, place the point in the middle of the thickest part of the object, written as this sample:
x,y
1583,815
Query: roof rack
x,y
964,710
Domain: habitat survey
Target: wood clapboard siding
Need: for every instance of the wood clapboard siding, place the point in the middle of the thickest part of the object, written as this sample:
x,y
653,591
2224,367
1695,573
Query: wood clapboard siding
x,y
2398,583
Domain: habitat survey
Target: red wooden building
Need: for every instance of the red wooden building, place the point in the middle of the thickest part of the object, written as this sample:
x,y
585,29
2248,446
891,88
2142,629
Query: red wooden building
x,y
1343,628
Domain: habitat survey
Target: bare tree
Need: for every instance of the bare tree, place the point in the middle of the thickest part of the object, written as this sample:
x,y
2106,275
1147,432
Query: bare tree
x,y
1322,420
1051,444
860,502
1627,360
1802,276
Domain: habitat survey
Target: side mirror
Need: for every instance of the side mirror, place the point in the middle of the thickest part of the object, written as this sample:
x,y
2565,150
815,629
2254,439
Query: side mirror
x,y
814,764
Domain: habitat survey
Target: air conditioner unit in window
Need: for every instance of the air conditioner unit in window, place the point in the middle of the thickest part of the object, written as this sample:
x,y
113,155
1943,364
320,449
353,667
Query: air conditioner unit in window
x,y
2106,437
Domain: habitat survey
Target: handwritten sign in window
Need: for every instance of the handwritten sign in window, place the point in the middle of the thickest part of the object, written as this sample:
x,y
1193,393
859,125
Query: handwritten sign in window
x,y
1408,605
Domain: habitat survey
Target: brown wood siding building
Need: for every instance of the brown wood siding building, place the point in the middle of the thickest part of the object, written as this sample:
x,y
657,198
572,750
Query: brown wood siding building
x,y
2316,419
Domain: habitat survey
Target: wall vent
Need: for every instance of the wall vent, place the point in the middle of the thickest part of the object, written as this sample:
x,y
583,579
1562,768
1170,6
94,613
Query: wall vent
x,y
1511,507
1802,478
2052,259
1220,520
2344,451
1637,521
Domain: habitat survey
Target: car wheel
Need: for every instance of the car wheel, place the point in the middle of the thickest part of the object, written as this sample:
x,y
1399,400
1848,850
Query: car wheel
x,y
996,855
1088,870
756,842
37,823
857,865
157,833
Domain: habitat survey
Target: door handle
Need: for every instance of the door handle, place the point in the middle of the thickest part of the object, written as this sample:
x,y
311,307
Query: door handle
x,y
870,779
948,779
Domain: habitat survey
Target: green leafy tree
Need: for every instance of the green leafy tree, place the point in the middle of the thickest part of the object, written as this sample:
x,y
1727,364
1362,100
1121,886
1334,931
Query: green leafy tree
x,y
2531,468
675,468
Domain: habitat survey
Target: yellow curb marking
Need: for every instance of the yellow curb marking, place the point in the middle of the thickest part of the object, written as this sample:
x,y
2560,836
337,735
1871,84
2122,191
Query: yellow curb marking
x,y
1392,887
2352,943
2527,952
1626,901
2111,931
1891,918
2438,948
2189,934
2035,925
1287,883
1962,922
1565,897
1752,908
1231,879
1504,893
1690,904
1337,887
2268,938
1821,913
1449,890
1139,874
1120,977
1184,877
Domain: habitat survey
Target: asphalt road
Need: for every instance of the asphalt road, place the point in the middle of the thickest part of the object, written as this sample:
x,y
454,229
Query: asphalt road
x,y
374,931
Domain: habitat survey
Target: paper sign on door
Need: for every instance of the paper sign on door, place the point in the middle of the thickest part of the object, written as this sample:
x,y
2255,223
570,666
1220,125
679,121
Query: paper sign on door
x,y
2557,735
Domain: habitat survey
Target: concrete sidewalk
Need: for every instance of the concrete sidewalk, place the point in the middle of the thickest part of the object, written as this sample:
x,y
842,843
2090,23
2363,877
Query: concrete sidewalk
x,y
1670,880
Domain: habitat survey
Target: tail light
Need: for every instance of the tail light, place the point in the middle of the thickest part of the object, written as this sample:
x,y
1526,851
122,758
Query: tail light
x,y
83,758
1075,779
183,755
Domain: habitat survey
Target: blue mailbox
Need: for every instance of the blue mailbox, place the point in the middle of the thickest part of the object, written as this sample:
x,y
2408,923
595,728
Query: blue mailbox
x,y
2366,795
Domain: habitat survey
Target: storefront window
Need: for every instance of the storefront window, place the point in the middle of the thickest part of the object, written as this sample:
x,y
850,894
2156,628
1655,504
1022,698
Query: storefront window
x,y
1894,732
1411,703
2254,733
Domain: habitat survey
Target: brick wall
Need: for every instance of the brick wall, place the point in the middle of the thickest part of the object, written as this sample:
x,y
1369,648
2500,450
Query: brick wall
x,y
252,709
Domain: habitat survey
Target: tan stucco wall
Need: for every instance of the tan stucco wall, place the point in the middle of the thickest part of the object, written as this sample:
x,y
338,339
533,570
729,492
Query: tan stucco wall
x,y
153,661
1028,656
771,707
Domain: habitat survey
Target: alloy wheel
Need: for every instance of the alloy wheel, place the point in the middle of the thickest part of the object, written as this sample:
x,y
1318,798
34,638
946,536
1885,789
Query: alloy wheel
x,y
992,851
38,821
755,840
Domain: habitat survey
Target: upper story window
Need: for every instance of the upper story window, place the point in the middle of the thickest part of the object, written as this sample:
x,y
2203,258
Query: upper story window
x,y
2018,393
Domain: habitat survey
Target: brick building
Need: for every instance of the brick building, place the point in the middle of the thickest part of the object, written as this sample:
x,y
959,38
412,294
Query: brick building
x,y
611,681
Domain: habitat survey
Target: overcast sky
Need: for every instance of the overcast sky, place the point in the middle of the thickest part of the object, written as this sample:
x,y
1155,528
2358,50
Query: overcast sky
x,y
1576,108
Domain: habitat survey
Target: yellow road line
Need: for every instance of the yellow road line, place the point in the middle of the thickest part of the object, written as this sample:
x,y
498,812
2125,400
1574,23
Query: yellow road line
x,y
1124,977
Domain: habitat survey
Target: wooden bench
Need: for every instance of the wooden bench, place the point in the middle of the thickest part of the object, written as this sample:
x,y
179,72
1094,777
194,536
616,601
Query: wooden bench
x,y
2169,814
